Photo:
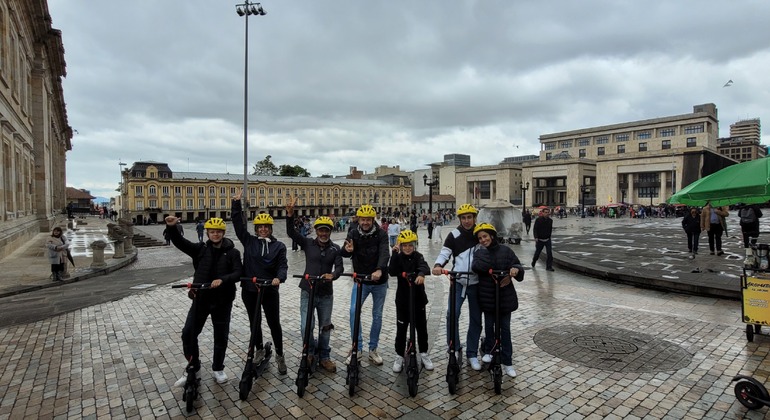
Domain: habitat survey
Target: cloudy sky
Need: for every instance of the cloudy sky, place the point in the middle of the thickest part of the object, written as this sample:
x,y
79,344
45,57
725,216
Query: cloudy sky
x,y
341,83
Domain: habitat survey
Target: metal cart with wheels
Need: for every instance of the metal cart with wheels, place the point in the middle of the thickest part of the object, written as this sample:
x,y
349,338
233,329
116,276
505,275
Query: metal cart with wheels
x,y
755,301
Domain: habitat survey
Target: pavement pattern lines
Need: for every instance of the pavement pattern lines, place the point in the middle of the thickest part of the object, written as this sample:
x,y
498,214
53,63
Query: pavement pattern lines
x,y
119,359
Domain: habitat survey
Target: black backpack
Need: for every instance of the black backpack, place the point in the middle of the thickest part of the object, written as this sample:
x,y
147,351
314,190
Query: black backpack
x,y
748,216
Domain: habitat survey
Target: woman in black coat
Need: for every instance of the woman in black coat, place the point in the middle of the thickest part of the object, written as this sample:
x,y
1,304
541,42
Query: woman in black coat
x,y
691,226
490,255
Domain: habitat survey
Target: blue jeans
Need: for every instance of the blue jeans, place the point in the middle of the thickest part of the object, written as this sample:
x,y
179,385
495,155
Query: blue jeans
x,y
323,310
378,293
506,348
393,240
474,322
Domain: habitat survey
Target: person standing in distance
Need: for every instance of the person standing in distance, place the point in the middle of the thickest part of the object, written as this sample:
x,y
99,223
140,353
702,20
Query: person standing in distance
x,y
542,233
367,247
264,257
459,245
218,262
322,258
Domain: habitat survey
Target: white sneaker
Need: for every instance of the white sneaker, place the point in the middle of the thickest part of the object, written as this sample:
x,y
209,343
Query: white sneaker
x,y
487,358
426,362
509,371
220,376
474,361
374,357
398,364
181,382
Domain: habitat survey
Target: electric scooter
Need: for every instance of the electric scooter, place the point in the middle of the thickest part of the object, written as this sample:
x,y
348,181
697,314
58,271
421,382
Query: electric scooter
x,y
412,371
750,392
353,369
453,367
495,368
190,393
254,368
306,369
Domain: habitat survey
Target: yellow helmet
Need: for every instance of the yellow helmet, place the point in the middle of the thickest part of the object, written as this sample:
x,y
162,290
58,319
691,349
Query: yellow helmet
x,y
485,226
407,236
215,223
323,222
263,219
366,211
466,209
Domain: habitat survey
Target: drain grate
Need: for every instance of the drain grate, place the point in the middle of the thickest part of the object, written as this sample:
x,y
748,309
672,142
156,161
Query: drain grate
x,y
612,349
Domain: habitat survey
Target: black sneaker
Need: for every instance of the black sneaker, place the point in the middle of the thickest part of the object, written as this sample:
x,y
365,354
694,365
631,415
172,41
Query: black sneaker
x,y
720,252
549,269
533,263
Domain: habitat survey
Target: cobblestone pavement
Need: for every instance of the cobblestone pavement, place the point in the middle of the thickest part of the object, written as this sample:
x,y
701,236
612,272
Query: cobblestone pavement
x,y
120,358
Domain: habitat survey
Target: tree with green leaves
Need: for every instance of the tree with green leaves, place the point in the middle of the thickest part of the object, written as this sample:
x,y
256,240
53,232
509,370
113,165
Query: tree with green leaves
x,y
293,170
265,167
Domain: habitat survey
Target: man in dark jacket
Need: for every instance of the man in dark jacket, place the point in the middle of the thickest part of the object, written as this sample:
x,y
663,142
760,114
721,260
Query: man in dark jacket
x,y
264,257
526,217
218,262
322,257
367,246
542,232
749,220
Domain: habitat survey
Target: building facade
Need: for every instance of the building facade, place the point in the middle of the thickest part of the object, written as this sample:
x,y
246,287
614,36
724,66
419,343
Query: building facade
x,y
641,162
34,131
150,191
744,141
484,184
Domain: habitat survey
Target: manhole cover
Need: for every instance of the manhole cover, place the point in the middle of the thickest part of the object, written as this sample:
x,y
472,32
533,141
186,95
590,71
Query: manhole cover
x,y
612,349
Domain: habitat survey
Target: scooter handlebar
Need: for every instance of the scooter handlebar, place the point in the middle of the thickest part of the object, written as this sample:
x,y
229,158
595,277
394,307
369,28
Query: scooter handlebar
x,y
456,273
319,277
258,282
363,278
192,286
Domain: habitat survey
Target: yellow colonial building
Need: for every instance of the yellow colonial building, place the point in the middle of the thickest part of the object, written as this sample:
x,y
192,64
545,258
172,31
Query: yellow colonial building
x,y
150,191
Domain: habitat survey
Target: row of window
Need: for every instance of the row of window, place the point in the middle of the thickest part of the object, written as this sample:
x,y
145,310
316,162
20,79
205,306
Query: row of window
x,y
624,137
224,204
621,148
152,190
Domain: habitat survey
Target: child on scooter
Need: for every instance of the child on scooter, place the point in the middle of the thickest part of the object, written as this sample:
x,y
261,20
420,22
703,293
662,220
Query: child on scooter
x,y
406,259
491,255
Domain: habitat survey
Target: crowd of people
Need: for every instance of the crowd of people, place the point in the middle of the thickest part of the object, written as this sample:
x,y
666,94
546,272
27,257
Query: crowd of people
x,y
378,251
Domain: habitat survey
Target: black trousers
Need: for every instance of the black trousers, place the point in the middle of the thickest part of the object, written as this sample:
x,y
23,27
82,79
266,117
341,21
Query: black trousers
x,y
402,328
548,253
196,319
715,236
271,306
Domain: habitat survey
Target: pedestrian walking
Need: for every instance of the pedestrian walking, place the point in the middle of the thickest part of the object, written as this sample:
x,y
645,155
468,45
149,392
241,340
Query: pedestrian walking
x,y
749,214
199,227
526,217
712,221
542,230
691,226
264,257
218,262
57,245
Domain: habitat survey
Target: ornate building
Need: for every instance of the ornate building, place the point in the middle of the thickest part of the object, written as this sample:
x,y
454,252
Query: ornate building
x,y
151,191
34,131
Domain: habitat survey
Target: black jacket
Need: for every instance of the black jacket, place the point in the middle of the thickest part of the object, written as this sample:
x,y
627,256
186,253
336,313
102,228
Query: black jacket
x,y
319,259
370,251
691,224
496,257
412,263
262,258
543,228
211,263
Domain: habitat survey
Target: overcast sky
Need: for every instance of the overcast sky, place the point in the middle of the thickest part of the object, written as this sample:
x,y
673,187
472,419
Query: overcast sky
x,y
334,84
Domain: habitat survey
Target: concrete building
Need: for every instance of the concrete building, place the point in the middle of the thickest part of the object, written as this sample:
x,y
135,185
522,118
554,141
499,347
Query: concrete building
x,y
34,132
151,191
640,162
457,159
483,184
744,141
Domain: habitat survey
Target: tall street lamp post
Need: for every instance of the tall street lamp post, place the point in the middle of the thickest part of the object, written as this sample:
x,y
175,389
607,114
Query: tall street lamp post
x,y
121,187
430,185
524,197
246,9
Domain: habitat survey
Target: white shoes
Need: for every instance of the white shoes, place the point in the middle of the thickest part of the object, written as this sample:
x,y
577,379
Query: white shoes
x,y
426,362
487,358
474,361
509,371
398,364
220,376
374,357
181,381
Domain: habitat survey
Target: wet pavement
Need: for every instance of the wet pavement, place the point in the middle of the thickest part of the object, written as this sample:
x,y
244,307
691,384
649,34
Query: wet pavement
x,y
109,346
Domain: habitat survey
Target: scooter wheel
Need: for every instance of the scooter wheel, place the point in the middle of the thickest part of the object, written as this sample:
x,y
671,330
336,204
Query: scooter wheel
x,y
747,394
749,333
498,382
352,380
411,382
244,388
452,385
189,398
301,382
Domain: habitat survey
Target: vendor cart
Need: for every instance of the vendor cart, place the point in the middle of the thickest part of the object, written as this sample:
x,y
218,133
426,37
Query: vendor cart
x,y
755,291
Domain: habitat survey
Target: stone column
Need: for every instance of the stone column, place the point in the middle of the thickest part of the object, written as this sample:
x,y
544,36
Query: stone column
x,y
128,228
98,250
119,249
